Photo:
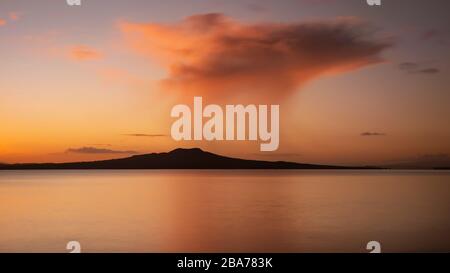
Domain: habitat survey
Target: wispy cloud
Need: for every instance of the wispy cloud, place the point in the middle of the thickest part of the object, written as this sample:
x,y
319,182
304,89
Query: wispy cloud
x,y
2,22
84,53
93,150
416,68
370,134
214,52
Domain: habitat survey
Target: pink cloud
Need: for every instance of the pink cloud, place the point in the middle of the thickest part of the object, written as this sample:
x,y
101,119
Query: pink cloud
x,y
213,53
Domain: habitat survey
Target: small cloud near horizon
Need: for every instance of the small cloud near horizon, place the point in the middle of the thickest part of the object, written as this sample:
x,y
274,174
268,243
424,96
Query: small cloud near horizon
x,y
93,150
367,134
416,68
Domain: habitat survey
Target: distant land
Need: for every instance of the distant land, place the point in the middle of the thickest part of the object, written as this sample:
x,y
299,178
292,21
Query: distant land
x,y
177,159
423,162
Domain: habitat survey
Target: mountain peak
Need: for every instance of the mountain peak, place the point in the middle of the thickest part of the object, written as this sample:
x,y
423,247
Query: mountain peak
x,y
186,150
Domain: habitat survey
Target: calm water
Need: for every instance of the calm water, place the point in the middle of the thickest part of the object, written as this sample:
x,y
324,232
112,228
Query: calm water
x,y
226,211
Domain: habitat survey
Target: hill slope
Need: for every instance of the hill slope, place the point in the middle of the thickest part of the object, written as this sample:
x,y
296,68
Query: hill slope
x,y
176,159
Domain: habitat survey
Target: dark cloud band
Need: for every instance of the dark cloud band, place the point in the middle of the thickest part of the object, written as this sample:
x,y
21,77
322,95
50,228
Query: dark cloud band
x,y
93,150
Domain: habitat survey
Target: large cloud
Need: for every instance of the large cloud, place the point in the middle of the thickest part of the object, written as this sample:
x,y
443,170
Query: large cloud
x,y
214,53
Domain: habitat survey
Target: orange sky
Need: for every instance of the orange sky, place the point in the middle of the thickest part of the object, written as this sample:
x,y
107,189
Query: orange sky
x,y
354,87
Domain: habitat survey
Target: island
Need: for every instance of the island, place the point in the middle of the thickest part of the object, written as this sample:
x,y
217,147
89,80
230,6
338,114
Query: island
x,y
194,158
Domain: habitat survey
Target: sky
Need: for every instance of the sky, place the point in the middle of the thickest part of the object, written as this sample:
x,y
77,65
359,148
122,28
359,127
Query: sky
x,y
356,84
